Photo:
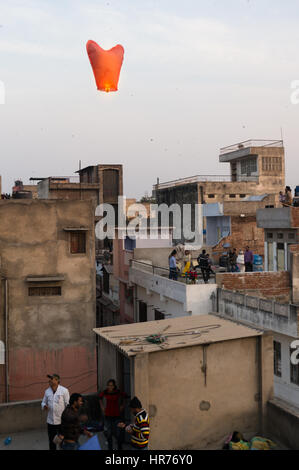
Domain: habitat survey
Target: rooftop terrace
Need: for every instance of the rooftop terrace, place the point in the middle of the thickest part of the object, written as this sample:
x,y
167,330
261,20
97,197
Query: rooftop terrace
x,y
251,143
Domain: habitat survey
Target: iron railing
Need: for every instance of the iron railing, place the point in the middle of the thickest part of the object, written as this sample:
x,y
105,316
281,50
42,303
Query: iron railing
x,y
57,179
193,277
251,143
194,179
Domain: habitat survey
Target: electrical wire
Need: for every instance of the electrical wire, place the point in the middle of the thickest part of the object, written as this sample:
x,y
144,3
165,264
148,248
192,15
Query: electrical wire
x,y
40,383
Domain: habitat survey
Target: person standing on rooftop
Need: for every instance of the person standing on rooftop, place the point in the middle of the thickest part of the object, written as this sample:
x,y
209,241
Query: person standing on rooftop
x,y
172,266
55,400
282,197
71,426
140,429
113,410
248,259
288,196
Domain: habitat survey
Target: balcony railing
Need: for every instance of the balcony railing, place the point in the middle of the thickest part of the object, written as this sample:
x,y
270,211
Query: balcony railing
x,y
195,179
251,143
194,277
57,179
206,178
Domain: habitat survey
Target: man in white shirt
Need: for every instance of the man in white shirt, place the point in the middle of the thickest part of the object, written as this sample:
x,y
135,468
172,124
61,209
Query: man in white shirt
x,y
55,400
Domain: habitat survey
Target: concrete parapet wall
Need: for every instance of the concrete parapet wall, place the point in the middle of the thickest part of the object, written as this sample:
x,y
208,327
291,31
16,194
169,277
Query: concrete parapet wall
x,y
21,416
283,423
273,285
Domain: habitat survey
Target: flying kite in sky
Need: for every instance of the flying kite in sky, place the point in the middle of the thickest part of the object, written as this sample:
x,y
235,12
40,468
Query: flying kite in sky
x,y
106,65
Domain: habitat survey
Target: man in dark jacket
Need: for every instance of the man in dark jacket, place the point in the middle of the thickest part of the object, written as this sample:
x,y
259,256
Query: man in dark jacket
x,y
71,427
248,259
203,263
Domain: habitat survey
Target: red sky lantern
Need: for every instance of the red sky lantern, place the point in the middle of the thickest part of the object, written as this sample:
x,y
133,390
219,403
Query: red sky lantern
x,y
106,65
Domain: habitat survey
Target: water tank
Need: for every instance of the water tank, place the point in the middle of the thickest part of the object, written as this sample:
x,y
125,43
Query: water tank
x,y
257,260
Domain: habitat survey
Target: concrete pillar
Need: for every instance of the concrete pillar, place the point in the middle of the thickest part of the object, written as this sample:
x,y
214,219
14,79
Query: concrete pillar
x,y
266,267
295,277
141,382
275,256
266,376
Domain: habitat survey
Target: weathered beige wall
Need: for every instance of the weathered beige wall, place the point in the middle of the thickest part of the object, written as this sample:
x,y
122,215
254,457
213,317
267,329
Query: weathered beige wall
x,y
107,360
294,252
187,414
53,331
159,256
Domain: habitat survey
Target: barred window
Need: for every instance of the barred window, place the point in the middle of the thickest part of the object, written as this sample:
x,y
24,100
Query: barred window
x,y
159,315
294,371
277,358
249,166
271,164
44,291
78,242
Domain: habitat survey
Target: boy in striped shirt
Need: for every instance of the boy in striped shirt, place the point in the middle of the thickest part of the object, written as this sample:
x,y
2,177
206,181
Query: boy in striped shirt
x,y
140,430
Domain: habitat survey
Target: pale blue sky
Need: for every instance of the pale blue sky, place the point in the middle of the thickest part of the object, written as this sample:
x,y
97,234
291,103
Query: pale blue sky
x,y
197,75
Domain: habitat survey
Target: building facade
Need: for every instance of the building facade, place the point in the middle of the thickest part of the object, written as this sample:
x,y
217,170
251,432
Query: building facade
x,y
47,296
256,168
226,386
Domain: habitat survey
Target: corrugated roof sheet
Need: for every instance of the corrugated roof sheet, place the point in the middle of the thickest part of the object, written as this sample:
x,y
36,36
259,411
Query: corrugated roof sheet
x,y
260,197
181,332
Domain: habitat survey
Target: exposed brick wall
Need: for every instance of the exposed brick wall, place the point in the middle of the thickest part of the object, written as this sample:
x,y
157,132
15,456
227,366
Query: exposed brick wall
x,y
264,284
294,248
295,216
244,232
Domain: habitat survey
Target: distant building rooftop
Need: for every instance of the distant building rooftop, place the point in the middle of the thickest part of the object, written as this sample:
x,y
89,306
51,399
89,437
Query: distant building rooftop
x,y
181,332
194,179
251,143
242,149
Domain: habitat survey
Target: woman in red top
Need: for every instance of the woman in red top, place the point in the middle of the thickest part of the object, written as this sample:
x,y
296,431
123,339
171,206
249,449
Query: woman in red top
x,y
113,409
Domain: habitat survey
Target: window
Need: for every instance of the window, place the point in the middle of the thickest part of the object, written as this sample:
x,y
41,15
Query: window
x,y
277,358
280,257
270,236
232,195
211,196
242,195
44,291
271,164
106,286
294,371
233,167
291,236
142,311
280,236
78,242
159,315
129,295
248,166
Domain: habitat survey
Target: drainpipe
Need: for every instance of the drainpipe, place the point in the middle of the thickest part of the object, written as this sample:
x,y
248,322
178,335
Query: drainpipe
x,y
260,384
6,340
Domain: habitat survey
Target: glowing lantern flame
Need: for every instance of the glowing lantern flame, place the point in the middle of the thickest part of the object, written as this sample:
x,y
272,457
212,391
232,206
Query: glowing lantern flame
x,y
106,65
